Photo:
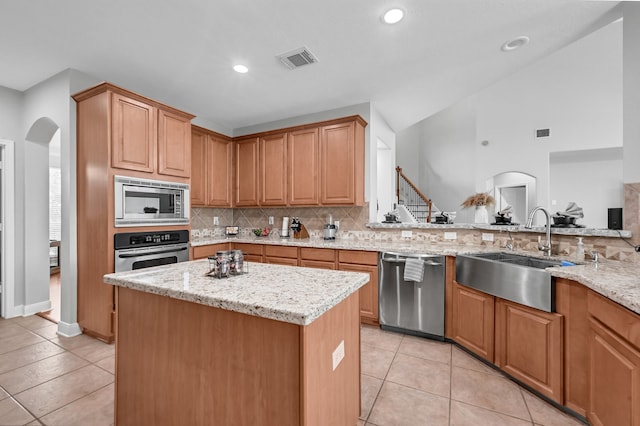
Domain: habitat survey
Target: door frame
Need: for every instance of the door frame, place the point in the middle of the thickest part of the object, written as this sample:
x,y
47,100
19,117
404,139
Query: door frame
x,y
8,239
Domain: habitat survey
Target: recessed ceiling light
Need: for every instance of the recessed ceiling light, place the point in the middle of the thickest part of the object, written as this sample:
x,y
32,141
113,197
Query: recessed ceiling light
x,y
393,16
240,68
515,43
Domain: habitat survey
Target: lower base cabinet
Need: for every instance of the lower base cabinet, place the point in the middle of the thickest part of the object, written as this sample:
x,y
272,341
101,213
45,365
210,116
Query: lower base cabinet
x,y
363,261
473,320
529,347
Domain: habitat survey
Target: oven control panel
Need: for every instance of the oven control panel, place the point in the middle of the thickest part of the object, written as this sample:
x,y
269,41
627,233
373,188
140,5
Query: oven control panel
x,y
146,239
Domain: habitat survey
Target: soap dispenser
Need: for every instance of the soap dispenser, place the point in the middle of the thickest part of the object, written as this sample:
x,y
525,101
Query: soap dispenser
x,y
580,250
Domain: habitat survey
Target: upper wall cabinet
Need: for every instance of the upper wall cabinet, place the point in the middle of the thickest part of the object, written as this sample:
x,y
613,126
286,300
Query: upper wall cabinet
x,y
311,165
211,165
146,136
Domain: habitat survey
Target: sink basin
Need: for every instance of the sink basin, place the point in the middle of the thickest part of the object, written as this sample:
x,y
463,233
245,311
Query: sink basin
x,y
519,278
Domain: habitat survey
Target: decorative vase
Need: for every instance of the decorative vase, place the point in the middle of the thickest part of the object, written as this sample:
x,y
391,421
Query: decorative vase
x,y
481,215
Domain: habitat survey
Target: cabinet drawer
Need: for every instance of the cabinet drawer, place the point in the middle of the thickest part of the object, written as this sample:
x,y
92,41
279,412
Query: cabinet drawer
x,y
319,264
281,261
358,257
616,317
201,252
254,249
281,251
327,255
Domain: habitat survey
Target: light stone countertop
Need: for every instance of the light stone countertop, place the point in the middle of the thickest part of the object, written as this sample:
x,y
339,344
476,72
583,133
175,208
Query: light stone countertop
x,y
618,281
284,293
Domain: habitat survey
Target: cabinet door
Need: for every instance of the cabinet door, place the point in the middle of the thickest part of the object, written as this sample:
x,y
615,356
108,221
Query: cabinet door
x,y
246,160
304,167
473,321
368,294
529,347
273,170
337,154
219,166
133,134
198,168
614,376
174,144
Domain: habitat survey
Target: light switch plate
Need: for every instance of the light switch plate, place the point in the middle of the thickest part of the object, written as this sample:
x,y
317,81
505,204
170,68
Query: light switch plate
x,y
406,234
486,236
270,220
338,355
216,221
450,235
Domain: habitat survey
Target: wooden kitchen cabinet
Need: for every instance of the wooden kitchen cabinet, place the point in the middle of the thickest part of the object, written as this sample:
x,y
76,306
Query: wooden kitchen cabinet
x,y
342,163
363,261
273,170
201,252
473,320
318,258
614,363
281,255
149,137
529,347
211,165
252,252
246,172
304,167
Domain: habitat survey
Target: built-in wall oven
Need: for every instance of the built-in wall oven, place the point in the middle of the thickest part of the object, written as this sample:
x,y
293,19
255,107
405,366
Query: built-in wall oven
x,y
148,202
137,250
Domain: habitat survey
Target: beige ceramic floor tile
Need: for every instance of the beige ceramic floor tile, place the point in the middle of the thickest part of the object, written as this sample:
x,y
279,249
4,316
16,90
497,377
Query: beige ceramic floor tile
x,y
3,394
400,405
54,394
95,409
70,343
488,391
34,322
374,362
18,380
34,423
27,355
108,364
378,338
11,329
95,350
12,413
360,423
460,358
423,374
48,332
468,415
369,388
546,414
19,340
425,348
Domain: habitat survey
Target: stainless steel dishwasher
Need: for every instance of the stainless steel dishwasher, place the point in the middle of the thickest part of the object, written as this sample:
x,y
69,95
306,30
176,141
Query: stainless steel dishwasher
x,y
414,307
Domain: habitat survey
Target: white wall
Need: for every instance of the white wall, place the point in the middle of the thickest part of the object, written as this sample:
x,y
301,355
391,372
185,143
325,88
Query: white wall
x,y
631,24
380,167
575,92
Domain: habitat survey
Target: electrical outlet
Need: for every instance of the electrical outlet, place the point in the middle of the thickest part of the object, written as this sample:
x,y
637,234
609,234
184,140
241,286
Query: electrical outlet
x,y
450,235
216,221
338,354
270,220
406,234
337,224
486,236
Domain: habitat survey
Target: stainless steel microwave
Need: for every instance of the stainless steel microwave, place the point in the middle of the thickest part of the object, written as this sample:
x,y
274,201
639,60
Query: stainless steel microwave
x,y
147,202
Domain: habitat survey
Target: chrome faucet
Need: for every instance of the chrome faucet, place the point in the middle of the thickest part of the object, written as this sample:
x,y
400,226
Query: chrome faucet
x,y
546,247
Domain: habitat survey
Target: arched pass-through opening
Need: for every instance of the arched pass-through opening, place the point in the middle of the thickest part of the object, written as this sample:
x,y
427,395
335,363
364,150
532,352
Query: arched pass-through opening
x,y
36,220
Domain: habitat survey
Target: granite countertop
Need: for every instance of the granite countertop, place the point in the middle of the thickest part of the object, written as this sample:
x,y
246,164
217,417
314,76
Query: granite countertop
x,y
290,294
618,281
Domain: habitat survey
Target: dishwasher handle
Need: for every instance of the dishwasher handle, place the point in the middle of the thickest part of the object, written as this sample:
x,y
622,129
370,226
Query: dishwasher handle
x,y
426,262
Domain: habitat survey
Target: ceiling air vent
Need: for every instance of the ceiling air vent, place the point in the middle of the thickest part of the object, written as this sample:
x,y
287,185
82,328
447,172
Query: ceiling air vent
x,y
297,58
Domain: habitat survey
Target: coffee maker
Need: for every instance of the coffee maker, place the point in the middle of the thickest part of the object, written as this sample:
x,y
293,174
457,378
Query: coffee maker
x,y
330,229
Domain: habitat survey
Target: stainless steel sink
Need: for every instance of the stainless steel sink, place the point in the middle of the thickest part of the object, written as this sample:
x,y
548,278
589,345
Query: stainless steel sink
x,y
519,278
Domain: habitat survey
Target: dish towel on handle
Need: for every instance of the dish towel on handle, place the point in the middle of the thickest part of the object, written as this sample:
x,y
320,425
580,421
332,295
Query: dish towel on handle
x,y
413,269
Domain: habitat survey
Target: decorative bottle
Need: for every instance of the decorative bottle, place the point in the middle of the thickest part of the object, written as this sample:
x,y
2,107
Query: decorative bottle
x,y
580,250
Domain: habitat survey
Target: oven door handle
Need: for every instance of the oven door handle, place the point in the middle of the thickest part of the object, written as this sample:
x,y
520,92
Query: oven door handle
x,y
151,253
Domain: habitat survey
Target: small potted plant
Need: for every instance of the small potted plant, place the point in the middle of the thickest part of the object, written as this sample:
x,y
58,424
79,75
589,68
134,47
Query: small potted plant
x,y
480,201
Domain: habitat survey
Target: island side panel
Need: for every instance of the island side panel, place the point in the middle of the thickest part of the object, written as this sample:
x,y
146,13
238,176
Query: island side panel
x,y
179,362
332,397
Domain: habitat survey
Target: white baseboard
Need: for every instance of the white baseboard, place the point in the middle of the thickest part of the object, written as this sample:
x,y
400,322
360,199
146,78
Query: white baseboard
x,y
69,330
13,311
35,308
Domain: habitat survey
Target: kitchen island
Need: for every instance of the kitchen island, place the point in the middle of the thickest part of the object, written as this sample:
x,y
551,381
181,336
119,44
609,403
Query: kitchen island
x,y
279,345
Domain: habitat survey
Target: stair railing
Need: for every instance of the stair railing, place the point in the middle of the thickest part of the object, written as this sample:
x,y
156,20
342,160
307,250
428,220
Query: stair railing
x,y
407,193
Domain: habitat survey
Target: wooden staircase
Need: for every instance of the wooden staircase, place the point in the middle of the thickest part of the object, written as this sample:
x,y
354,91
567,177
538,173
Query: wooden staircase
x,y
408,194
